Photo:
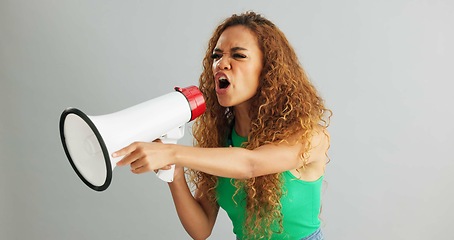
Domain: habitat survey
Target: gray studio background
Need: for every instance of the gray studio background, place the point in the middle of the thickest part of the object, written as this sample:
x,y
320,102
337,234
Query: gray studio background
x,y
384,68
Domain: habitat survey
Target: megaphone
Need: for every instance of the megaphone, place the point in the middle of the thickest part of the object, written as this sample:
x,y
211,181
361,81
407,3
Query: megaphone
x,y
89,141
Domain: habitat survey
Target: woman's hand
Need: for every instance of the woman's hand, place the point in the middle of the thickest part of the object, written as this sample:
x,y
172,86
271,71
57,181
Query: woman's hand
x,y
145,157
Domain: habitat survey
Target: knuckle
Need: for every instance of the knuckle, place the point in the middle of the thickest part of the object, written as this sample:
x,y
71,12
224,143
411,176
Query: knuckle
x,y
140,150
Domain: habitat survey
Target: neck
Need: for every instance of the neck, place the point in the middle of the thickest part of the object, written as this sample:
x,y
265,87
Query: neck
x,y
242,121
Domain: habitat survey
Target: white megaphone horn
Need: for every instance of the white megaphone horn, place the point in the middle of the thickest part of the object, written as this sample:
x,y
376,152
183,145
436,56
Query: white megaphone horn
x,y
89,141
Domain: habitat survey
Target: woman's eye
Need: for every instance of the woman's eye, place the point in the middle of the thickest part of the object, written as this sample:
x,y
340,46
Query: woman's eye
x,y
215,56
237,55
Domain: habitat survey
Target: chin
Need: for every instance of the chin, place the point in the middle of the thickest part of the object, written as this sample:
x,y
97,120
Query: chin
x,y
224,104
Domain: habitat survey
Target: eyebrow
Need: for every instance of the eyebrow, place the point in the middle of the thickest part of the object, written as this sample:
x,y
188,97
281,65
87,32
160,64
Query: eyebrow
x,y
234,49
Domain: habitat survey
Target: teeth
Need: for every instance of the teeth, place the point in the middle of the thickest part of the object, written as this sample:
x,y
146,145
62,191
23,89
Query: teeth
x,y
223,78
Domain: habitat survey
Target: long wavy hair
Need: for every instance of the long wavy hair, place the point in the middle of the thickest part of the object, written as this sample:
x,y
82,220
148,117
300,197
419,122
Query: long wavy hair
x,y
286,102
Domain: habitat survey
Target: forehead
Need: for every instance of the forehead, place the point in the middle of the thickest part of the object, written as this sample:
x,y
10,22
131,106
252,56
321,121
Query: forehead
x,y
237,36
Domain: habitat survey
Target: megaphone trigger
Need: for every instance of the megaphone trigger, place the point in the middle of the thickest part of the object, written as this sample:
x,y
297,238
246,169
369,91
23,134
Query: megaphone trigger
x,y
166,175
171,137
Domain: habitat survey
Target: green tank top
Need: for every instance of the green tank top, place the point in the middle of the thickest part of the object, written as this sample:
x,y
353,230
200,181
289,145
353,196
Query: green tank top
x,y
300,203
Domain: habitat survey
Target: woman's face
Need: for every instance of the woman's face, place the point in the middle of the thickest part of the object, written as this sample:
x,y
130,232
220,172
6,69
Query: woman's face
x,y
237,64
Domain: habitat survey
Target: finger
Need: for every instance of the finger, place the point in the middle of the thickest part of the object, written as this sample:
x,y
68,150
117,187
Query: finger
x,y
140,170
130,158
168,167
157,140
126,150
138,163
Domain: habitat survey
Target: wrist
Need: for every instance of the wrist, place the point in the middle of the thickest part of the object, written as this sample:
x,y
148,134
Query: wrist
x,y
175,154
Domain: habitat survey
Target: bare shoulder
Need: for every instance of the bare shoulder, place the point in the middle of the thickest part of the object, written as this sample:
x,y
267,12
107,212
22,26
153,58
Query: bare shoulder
x,y
320,140
315,148
315,158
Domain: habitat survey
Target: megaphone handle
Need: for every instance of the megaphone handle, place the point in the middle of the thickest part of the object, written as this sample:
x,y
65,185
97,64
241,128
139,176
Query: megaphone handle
x,y
167,175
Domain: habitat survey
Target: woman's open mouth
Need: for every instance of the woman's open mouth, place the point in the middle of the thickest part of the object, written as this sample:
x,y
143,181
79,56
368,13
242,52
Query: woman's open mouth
x,y
223,82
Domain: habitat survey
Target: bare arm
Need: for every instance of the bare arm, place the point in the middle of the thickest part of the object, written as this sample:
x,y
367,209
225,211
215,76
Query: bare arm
x,y
237,162
232,162
241,163
196,214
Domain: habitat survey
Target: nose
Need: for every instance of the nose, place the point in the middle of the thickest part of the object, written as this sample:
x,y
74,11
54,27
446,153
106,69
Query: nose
x,y
223,63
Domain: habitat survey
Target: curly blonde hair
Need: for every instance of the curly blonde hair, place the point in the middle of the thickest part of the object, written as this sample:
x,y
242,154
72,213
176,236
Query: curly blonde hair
x,y
285,103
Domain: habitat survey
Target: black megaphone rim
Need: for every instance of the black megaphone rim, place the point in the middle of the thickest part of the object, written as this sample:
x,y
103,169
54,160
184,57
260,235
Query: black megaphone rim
x,y
105,152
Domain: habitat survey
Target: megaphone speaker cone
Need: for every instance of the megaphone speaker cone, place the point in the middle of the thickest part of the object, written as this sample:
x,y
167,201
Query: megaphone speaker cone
x,y
85,149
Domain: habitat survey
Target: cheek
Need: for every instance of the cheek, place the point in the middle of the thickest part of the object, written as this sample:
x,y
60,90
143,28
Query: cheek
x,y
255,76
213,66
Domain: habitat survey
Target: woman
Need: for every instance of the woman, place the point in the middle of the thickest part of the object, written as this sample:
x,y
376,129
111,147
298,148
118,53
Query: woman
x,y
260,148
